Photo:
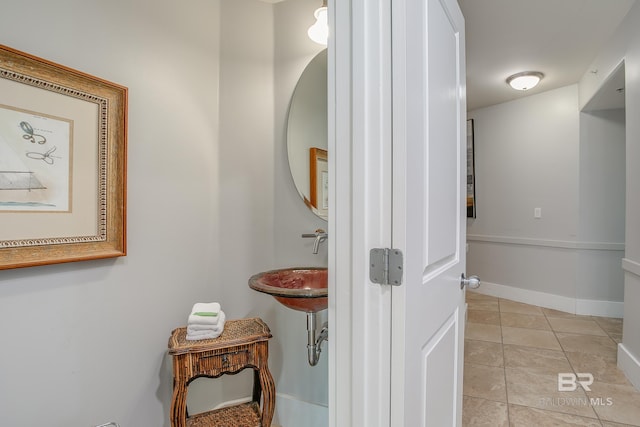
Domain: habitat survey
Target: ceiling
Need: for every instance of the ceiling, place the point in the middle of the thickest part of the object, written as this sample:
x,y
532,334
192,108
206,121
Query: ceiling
x,y
560,38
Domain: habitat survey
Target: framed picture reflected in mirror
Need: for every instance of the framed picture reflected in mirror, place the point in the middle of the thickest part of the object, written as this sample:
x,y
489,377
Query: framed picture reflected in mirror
x,y
319,179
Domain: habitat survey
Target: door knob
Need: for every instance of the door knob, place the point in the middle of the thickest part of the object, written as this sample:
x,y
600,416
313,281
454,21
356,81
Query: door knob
x,y
472,282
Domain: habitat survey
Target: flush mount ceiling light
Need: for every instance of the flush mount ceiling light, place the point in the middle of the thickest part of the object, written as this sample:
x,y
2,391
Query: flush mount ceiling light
x,y
525,80
319,32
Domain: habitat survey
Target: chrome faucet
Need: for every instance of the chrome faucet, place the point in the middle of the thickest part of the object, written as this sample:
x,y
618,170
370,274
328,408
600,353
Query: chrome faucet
x,y
320,235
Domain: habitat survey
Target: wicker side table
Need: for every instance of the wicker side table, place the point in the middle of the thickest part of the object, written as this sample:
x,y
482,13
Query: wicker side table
x,y
243,344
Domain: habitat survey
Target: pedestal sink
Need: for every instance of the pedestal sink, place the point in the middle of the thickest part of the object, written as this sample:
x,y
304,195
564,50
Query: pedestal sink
x,y
302,289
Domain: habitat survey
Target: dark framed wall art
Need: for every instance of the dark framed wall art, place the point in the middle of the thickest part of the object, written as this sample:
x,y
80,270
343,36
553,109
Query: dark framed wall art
x,y
471,172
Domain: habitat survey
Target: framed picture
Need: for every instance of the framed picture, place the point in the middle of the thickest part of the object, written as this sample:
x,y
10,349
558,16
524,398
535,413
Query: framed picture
x,y
63,146
319,179
471,172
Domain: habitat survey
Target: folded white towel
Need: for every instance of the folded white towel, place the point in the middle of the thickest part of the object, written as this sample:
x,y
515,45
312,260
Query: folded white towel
x,y
206,336
201,307
218,328
204,333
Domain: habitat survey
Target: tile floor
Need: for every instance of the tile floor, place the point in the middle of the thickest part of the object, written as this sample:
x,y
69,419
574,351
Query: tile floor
x,y
514,353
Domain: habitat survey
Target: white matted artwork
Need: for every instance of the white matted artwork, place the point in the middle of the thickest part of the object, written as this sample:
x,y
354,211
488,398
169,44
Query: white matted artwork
x,y
35,161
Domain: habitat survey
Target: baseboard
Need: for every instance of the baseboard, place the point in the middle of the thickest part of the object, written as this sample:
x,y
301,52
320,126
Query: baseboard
x,y
630,365
556,302
600,308
292,412
526,296
233,402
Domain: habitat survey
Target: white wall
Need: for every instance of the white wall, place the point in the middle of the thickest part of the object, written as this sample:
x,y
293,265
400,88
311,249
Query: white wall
x,y
540,152
625,45
297,382
244,172
209,204
526,157
602,204
631,333
89,339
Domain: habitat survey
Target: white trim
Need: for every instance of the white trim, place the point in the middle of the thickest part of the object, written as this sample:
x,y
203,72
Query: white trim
x,y
290,411
630,266
526,296
359,355
339,243
370,209
630,365
589,307
563,244
556,302
233,402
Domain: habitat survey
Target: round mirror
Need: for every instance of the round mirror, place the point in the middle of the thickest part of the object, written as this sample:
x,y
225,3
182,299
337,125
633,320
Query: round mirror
x,y
307,136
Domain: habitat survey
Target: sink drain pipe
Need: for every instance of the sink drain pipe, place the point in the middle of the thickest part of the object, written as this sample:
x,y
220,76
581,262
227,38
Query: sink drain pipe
x,y
314,344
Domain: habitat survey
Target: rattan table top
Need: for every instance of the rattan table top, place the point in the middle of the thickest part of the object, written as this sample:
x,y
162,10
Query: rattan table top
x,y
236,332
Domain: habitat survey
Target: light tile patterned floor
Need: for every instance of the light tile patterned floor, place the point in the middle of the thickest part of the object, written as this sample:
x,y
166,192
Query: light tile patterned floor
x,y
514,353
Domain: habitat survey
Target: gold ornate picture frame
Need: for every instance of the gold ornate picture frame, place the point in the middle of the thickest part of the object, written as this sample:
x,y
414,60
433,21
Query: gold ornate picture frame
x,y
63,155
319,180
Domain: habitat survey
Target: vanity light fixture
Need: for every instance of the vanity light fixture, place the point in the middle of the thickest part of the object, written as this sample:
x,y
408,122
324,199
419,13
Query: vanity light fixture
x,y
525,80
319,32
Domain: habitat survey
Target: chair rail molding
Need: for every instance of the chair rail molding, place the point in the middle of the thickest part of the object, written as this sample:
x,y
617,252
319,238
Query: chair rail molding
x,y
563,244
630,266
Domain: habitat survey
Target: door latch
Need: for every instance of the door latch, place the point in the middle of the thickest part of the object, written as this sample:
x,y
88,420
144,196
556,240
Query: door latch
x,y
386,266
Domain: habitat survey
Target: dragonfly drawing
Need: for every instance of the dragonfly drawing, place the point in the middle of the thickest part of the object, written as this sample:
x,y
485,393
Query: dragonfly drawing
x,y
46,157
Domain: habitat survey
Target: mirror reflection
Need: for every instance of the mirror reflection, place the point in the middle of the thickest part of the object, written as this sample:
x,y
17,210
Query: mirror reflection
x,y
307,136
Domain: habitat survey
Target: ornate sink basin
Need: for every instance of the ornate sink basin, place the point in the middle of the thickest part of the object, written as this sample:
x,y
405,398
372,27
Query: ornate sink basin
x,y
302,289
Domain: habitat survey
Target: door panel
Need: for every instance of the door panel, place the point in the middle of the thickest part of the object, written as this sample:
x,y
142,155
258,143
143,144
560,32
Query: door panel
x,y
441,179
429,161
437,368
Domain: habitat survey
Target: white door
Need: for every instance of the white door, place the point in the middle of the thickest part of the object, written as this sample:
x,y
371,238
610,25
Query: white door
x,y
429,205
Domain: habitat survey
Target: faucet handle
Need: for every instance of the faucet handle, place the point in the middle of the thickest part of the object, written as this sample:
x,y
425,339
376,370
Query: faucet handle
x,y
319,233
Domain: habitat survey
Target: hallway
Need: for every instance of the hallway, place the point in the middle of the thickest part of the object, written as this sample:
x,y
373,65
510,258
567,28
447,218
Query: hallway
x,y
514,353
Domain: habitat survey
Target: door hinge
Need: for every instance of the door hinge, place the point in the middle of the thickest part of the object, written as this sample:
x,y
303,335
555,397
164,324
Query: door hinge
x,y
386,266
